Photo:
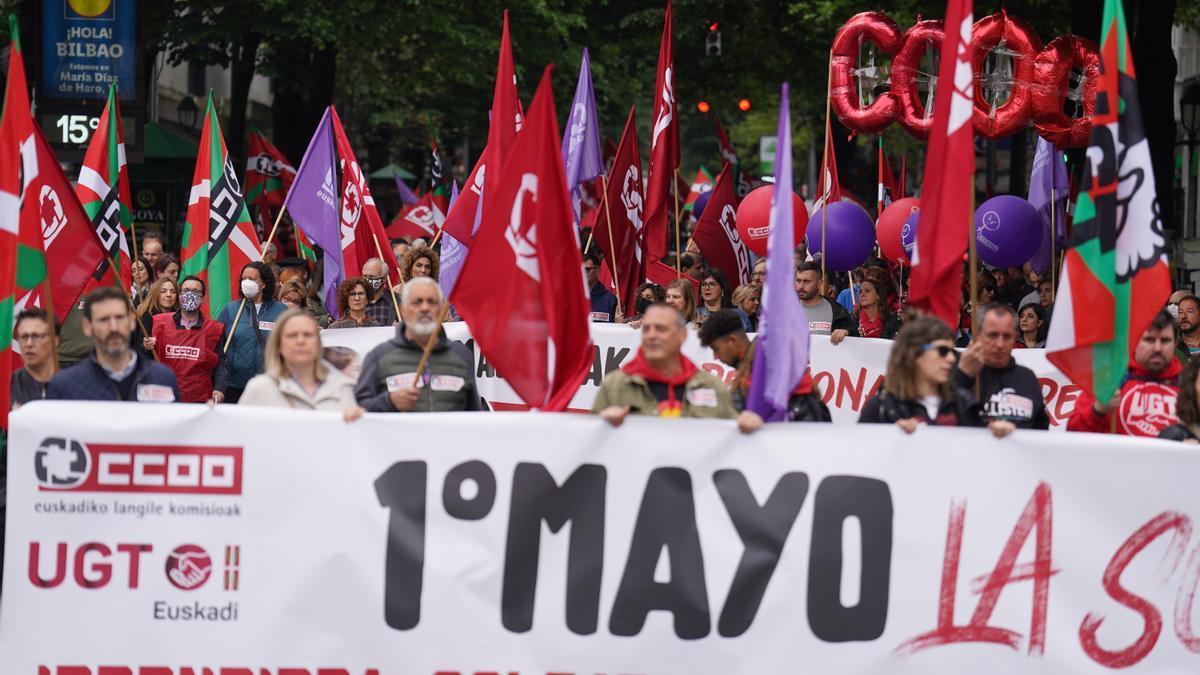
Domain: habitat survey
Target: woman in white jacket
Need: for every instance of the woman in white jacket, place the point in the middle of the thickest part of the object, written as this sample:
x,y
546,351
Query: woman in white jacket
x,y
296,376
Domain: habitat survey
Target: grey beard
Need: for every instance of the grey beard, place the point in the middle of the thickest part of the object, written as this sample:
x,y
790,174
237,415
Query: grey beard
x,y
423,328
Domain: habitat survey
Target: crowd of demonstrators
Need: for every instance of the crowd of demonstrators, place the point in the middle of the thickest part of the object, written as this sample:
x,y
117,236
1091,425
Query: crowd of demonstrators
x,y
681,295
919,387
660,380
825,317
1145,402
987,369
189,343
113,371
381,305
352,305
419,370
248,323
1033,326
603,302
747,299
296,376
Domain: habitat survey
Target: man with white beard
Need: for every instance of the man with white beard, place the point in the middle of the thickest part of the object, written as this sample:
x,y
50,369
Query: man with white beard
x,y
389,381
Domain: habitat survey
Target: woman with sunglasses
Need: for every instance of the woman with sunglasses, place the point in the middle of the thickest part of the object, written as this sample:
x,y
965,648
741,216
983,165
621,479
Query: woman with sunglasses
x,y
919,387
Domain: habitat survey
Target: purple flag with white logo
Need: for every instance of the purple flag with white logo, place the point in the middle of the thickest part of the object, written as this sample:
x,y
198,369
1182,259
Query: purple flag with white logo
x,y
453,253
313,203
581,138
407,196
781,351
1049,190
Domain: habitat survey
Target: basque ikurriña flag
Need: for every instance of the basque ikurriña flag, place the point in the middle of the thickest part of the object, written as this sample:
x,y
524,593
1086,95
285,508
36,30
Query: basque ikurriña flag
x,y
103,187
1114,276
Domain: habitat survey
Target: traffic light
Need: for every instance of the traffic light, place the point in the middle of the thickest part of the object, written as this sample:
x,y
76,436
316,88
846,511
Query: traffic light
x,y
703,106
744,105
712,40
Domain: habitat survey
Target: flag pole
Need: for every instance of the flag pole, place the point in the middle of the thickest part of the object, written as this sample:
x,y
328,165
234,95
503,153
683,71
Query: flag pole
x,y
824,155
612,258
436,236
678,251
437,331
395,303
232,329
1053,258
273,229
591,233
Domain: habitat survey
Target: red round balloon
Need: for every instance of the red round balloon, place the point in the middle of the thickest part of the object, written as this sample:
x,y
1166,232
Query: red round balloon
x,y
754,218
890,225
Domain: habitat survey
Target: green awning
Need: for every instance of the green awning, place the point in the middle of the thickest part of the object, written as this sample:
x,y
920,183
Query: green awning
x,y
162,143
390,172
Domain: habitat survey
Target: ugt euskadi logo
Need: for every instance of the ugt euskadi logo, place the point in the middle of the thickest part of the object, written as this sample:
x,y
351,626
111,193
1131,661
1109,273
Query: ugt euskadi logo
x,y
62,464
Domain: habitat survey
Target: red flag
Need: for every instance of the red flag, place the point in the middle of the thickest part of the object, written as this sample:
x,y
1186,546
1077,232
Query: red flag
x,y
663,274
420,220
716,233
528,263
664,149
502,133
623,249
742,184
73,253
830,188
363,236
888,188
949,183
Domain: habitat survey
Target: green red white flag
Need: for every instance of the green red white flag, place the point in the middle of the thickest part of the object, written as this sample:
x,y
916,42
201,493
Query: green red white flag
x,y
219,237
103,187
703,182
16,130
1114,276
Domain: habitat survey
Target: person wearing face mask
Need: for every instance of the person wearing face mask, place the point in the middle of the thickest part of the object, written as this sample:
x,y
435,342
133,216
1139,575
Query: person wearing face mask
x,y
189,343
244,354
388,381
381,305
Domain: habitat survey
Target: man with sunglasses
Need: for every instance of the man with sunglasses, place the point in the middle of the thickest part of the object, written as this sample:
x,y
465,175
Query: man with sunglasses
x,y
1007,391
604,303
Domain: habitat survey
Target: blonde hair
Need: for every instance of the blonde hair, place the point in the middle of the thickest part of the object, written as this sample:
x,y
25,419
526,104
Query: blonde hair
x,y
745,292
273,364
688,291
149,305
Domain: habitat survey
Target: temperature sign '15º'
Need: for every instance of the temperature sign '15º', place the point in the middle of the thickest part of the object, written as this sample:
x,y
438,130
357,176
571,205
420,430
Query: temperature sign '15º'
x,y
76,129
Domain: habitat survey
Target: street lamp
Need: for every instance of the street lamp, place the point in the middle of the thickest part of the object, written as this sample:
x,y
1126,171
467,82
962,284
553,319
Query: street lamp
x,y
187,113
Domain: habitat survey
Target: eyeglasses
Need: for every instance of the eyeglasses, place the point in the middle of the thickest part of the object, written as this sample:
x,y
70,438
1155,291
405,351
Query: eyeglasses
x,y
590,269
709,284
358,294
942,350
32,337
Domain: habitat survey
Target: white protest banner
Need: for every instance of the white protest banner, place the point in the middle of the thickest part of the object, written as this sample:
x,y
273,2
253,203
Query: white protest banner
x,y
846,374
253,541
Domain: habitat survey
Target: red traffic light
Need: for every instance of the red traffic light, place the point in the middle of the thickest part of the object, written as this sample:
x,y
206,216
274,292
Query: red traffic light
x,y
744,104
702,106
712,28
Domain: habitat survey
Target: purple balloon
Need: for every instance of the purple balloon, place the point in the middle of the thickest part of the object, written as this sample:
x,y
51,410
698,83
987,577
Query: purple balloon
x,y
700,203
1008,231
908,234
851,235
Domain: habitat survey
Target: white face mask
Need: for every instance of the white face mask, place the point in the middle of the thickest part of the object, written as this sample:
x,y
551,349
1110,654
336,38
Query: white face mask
x,y
250,288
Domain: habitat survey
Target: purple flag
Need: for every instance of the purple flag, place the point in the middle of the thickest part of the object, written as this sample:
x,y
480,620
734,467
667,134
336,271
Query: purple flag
x,y
313,201
781,352
581,142
1049,190
406,194
453,253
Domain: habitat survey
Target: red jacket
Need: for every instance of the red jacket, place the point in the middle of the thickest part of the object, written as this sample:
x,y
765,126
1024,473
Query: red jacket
x,y
190,352
1146,404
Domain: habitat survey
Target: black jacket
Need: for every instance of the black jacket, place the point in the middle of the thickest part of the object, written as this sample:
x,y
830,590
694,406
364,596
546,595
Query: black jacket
x,y
808,408
883,408
1011,393
1178,432
89,381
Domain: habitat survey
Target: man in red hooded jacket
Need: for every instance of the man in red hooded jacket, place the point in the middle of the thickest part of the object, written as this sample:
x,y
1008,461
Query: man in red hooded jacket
x,y
1145,403
189,344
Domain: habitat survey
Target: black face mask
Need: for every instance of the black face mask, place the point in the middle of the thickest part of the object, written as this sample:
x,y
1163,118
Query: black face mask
x,y
642,305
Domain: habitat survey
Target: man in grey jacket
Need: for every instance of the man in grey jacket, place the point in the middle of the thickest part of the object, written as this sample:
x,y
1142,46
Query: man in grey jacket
x,y
388,381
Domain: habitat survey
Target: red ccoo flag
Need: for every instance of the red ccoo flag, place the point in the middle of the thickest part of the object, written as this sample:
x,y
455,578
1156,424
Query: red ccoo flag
x,y
502,133
664,149
363,236
625,209
716,233
946,203
527,261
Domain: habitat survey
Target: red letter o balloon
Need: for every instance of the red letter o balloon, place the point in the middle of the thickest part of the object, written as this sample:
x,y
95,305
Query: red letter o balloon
x,y
843,91
1000,31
